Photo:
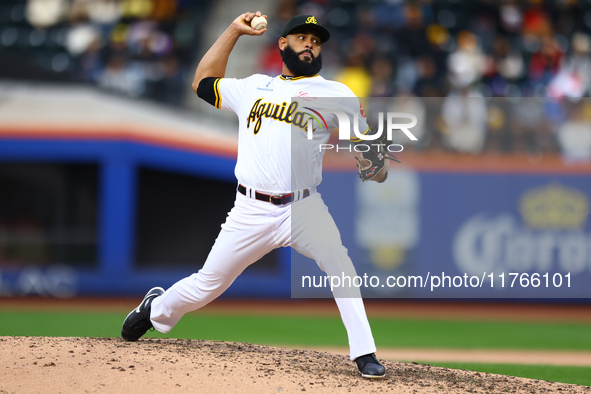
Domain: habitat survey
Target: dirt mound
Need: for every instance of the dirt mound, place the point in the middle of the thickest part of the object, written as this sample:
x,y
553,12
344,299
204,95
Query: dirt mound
x,y
110,365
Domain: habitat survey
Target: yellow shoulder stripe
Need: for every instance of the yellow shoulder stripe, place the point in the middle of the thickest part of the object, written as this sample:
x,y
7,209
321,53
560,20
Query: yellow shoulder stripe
x,y
216,91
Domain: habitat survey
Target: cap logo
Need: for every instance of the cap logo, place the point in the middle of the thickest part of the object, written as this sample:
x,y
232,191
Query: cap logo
x,y
312,19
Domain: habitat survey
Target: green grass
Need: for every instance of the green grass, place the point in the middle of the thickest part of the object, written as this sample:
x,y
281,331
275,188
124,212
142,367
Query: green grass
x,y
552,373
314,331
482,334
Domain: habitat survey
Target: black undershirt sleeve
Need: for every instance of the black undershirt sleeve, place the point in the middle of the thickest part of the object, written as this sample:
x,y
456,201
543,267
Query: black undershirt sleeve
x,y
206,90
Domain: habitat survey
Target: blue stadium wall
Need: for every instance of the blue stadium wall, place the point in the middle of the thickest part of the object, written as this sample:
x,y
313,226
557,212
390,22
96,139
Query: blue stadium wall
x,y
463,223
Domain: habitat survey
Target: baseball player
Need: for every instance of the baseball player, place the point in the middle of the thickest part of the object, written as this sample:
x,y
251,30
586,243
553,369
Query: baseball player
x,y
277,204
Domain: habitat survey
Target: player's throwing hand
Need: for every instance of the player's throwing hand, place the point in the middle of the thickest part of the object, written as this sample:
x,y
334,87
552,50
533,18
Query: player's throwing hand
x,y
242,24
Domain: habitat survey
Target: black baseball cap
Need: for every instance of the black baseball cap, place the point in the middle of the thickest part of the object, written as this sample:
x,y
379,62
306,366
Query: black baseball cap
x,y
301,23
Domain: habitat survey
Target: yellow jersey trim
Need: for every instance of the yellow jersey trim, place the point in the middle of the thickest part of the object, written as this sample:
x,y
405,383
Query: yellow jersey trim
x,y
216,91
297,78
358,140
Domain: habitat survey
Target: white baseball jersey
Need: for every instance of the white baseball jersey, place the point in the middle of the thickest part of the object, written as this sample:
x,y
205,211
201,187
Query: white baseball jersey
x,y
269,131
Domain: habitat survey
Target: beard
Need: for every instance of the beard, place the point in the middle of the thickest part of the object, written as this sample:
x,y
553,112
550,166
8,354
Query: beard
x,y
299,67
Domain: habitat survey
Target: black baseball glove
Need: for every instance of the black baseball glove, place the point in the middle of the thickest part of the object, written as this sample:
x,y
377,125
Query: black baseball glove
x,y
373,165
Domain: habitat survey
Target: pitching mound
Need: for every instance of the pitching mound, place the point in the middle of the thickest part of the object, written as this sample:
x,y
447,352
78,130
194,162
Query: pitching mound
x,y
110,365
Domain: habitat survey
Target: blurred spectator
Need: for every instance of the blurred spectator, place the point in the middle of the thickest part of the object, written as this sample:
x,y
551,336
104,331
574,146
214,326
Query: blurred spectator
x,y
574,77
511,17
536,21
466,64
464,116
137,9
355,75
81,37
428,83
46,13
79,11
383,78
525,116
120,78
104,12
545,60
574,136
164,10
90,62
504,69
432,64
499,134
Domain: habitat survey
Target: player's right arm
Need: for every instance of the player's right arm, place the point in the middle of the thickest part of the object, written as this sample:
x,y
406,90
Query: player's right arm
x,y
214,62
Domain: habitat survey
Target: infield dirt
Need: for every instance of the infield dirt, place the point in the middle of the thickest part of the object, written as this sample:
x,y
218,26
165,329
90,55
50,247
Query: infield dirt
x,y
111,365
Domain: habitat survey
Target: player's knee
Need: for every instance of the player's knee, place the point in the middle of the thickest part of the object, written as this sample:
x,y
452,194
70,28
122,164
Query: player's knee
x,y
334,258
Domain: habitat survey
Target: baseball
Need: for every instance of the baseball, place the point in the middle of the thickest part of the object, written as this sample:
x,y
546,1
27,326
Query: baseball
x,y
258,22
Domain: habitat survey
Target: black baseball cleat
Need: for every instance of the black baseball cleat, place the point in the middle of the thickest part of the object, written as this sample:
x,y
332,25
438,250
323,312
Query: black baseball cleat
x,y
369,366
138,321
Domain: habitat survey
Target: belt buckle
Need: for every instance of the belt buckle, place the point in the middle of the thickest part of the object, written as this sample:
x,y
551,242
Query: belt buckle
x,y
272,196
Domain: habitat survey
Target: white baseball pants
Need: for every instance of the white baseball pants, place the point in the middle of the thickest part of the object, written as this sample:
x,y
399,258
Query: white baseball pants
x,y
252,229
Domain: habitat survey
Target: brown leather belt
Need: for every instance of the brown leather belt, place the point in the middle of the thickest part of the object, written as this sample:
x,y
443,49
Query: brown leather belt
x,y
275,199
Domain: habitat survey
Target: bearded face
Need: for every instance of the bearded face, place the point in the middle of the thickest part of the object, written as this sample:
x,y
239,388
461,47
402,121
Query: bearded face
x,y
309,66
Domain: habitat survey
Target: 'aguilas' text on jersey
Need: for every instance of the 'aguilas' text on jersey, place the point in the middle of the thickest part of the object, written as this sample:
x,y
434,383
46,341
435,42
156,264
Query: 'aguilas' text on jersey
x,y
281,112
